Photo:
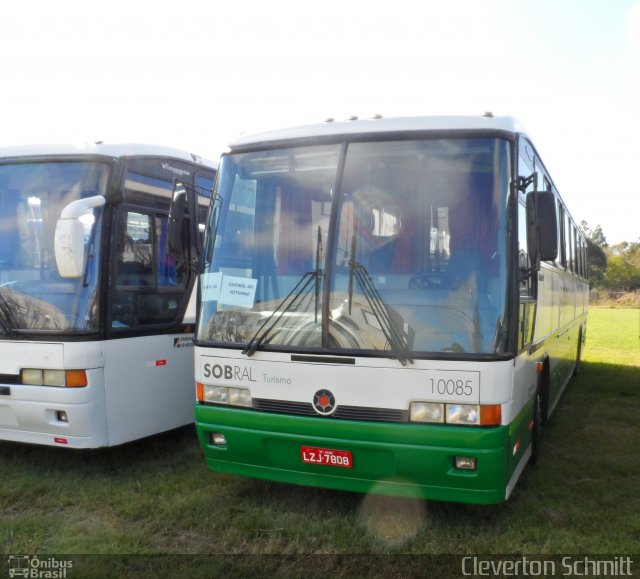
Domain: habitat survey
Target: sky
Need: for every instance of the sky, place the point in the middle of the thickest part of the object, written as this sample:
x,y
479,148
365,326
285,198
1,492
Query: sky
x,y
196,74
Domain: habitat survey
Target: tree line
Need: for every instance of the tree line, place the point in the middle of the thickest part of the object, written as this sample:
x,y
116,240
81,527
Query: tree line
x,y
612,267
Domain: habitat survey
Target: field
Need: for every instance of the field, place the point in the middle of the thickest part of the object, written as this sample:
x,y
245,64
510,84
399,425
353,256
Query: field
x,y
156,497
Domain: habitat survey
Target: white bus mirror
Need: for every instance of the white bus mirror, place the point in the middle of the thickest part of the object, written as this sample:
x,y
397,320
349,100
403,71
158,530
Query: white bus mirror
x,y
69,236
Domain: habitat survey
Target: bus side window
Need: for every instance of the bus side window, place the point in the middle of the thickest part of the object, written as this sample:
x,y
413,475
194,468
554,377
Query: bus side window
x,y
134,263
524,263
560,259
150,284
567,242
527,281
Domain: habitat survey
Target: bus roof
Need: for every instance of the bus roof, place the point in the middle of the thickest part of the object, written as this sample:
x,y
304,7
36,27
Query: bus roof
x,y
100,149
331,129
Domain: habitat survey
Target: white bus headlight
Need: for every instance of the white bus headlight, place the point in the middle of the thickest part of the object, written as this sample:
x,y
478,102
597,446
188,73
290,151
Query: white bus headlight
x,y
54,378
463,414
215,394
210,394
239,397
61,378
426,412
32,376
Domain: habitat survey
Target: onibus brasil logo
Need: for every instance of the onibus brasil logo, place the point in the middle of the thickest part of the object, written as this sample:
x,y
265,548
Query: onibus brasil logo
x,y
32,566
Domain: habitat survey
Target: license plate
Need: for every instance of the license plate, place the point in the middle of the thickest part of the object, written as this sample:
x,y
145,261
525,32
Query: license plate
x,y
326,456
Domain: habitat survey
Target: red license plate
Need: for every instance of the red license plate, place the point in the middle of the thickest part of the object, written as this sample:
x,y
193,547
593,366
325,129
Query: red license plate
x,y
326,456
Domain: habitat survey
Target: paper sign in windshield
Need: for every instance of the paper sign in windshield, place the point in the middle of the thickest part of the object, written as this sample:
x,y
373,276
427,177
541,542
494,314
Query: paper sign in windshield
x,y
210,285
238,291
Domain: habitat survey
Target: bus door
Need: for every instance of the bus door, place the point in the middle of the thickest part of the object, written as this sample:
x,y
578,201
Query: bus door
x,y
149,359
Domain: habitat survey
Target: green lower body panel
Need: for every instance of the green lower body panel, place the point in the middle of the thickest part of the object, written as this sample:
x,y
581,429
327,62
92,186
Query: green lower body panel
x,y
410,460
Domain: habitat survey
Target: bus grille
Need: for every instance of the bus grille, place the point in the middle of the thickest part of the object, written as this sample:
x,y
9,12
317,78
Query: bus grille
x,y
341,412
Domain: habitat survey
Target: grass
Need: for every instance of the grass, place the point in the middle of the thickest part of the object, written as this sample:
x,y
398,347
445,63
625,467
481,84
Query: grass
x,y
613,336
156,497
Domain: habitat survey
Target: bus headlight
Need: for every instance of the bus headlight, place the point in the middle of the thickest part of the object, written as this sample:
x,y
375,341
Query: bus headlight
x,y
426,412
239,397
463,414
61,378
211,394
32,376
54,378
215,394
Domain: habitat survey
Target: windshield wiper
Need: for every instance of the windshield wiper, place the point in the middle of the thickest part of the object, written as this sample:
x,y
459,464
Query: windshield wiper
x,y
378,306
295,297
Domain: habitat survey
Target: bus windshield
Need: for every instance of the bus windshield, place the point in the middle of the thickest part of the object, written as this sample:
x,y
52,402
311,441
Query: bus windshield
x,y
403,245
34,298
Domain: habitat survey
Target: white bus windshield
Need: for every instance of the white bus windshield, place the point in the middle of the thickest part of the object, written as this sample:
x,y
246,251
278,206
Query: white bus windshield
x,y
404,250
33,296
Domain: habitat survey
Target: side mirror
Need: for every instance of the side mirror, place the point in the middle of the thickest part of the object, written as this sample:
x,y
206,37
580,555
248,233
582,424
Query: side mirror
x,y
176,218
68,242
542,227
184,206
211,239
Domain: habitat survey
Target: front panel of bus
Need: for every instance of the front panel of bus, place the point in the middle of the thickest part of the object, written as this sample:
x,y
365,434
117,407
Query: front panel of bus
x,y
355,326
93,357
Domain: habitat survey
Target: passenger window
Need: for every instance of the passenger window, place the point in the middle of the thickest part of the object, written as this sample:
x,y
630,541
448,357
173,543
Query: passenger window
x,y
526,279
574,239
523,258
562,253
134,260
567,241
524,263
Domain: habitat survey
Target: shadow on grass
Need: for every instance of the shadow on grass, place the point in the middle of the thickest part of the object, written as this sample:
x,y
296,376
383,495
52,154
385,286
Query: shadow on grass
x,y
175,445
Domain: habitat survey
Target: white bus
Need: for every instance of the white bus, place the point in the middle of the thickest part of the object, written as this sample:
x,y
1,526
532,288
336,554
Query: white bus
x,y
387,305
96,334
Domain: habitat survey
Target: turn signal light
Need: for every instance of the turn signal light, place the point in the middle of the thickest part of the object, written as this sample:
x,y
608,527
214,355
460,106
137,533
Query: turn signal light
x,y
490,415
76,378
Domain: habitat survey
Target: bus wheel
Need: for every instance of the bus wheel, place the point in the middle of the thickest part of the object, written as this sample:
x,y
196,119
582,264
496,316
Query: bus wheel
x,y
536,427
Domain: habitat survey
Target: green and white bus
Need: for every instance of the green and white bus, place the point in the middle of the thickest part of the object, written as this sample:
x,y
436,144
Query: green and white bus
x,y
96,318
387,305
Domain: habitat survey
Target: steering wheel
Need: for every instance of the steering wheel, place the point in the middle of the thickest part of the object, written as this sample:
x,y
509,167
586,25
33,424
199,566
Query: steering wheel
x,y
433,280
